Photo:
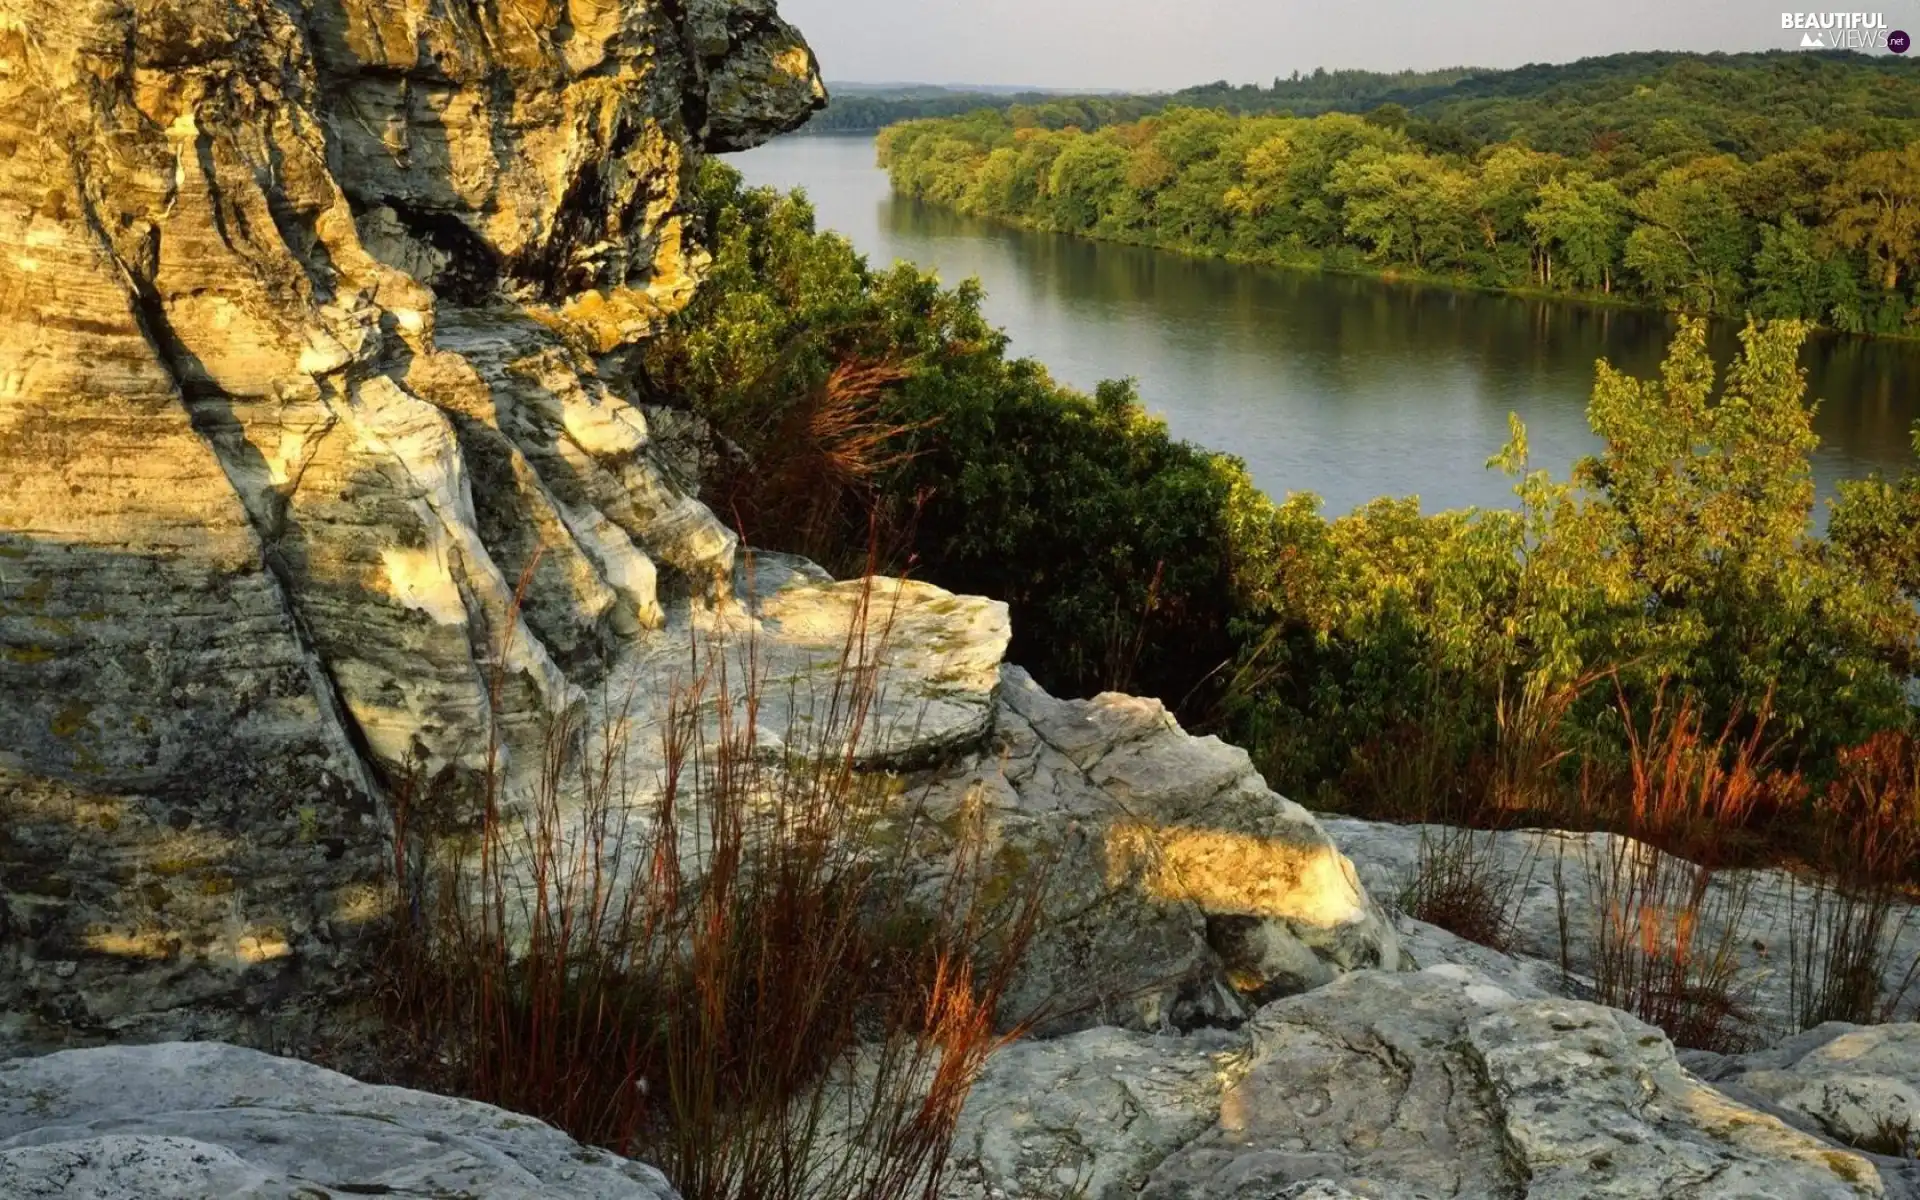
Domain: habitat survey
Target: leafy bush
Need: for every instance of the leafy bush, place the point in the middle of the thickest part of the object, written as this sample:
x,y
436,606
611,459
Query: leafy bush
x,y
1114,544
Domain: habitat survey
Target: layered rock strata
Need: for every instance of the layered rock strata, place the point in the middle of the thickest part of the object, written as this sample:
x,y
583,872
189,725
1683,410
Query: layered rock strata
x,y
316,467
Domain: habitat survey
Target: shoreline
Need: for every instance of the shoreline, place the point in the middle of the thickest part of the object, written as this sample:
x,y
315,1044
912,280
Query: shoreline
x,y
1389,275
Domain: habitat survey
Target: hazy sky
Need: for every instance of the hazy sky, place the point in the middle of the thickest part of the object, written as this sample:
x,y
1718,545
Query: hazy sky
x,y
1172,43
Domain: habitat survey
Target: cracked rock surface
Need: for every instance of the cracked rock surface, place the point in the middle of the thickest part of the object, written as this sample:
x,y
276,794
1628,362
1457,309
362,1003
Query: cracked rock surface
x,y
1429,1084
317,460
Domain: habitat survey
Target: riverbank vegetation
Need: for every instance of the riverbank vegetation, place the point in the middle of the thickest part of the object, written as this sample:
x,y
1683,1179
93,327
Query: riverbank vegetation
x,y
1385,662
1778,187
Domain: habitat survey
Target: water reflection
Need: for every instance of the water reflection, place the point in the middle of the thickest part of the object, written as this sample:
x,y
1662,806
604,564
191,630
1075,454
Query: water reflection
x,y
1351,388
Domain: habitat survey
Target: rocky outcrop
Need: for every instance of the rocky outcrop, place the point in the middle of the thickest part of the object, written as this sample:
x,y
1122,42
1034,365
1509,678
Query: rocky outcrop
x,y
1431,1084
195,1120
317,462
1859,1086
323,471
308,310
1180,890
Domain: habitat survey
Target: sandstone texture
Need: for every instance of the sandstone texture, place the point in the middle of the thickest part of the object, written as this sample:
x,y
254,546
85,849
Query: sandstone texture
x,y
188,1121
1181,890
318,465
1431,1084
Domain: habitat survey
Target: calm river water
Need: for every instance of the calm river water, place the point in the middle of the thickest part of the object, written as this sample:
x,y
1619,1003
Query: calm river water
x,y
1350,388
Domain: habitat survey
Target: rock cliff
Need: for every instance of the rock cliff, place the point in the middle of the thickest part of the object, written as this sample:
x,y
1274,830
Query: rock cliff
x,y
323,468
316,463
309,314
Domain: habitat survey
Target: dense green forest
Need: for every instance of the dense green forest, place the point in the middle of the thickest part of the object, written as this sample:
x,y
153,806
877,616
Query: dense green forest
x,y
1772,185
1734,102
861,411
869,110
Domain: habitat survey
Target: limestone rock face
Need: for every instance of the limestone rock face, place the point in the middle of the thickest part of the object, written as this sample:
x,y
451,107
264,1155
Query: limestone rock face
x,y
1181,890
1428,1084
316,464
302,306
193,1120
1859,1086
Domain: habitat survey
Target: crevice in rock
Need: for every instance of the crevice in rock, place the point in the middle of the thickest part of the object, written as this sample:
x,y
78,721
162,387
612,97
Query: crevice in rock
x,y
1512,1157
149,314
693,102
474,267
579,221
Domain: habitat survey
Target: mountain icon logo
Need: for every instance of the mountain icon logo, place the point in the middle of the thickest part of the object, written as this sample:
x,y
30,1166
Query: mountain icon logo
x,y
1813,41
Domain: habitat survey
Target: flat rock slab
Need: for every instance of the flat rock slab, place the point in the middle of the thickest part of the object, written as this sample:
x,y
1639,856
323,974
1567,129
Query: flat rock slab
x,y
1406,1086
925,661
195,1120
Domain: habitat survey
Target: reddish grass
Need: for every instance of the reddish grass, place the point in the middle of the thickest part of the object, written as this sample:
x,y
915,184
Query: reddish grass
x,y
1692,794
691,975
1667,920
1850,917
807,484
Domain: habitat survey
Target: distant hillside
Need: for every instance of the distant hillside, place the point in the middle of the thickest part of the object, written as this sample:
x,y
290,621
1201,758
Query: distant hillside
x,y
922,91
1735,102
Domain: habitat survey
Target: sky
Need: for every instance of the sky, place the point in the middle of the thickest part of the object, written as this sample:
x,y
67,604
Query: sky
x,y
1164,44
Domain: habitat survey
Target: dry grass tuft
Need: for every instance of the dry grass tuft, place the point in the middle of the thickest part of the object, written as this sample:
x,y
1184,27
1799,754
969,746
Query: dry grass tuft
x,y
808,482
1460,879
692,973
1460,883
1849,919
1666,921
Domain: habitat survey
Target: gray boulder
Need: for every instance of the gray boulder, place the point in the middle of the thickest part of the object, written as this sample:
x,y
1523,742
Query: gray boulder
x,y
190,1121
1858,1085
1181,890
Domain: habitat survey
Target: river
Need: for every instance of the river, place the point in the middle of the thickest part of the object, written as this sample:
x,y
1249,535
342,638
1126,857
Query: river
x,y
1346,387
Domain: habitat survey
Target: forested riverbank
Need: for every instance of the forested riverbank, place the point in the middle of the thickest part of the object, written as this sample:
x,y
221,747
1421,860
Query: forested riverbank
x,y
1799,203
1366,659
